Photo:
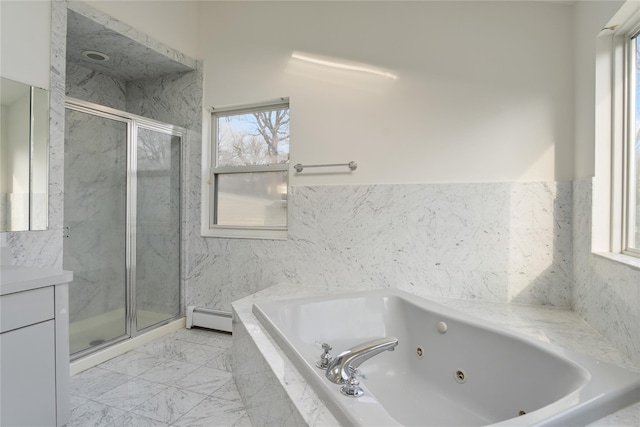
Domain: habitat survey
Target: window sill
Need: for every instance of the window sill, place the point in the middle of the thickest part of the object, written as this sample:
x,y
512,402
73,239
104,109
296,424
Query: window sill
x,y
627,260
245,233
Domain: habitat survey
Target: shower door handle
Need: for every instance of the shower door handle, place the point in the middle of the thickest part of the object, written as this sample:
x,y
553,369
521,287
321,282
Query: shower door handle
x,y
66,232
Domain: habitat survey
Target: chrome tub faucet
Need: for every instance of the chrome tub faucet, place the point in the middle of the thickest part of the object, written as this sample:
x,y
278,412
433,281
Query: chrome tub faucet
x,y
342,368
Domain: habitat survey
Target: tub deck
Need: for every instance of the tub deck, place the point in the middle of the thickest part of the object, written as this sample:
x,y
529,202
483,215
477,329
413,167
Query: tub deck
x,y
267,379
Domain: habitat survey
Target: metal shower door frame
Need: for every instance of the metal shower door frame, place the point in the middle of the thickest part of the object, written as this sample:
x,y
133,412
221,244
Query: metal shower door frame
x,y
135,122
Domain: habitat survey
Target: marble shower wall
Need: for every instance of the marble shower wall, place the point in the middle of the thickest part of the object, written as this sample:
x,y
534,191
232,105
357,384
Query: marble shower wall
x,y
93,86
606,293
93,210
177,99
498,242
164,99
171,98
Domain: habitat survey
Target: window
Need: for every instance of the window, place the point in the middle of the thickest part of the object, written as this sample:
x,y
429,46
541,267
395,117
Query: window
x,y
631,153
248,173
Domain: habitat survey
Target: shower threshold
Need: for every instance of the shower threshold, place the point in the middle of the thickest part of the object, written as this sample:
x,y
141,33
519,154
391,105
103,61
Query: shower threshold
x,y
96,330
120,347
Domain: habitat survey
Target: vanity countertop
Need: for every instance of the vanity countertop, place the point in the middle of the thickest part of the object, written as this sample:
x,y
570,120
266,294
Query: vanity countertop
x,y
18,279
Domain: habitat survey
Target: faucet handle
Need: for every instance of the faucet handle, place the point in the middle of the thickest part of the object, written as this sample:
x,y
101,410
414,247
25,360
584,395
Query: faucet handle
x,y
325,358
352,387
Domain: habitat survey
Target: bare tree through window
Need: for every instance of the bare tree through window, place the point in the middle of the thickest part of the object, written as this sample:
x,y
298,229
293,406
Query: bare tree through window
x,y
252,167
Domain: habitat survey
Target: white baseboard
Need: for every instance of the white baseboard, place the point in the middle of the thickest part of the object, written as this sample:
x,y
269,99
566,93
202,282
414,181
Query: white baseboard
x,y
101,356
210,319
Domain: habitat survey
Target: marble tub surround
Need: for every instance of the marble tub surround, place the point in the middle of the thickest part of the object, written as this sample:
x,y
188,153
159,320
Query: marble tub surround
x,y
258,361
605,292
504,242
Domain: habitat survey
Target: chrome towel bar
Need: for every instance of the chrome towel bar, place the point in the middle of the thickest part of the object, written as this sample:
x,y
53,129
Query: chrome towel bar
x,y
351,165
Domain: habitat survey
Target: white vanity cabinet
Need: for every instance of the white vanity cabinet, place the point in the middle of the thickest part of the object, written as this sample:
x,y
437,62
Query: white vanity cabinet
x,y
34,347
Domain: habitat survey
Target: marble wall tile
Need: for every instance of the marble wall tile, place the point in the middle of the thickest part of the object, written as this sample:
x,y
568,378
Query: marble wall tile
x,y
92,86
606,293
508,242
119,27
128,58
177,99
172,98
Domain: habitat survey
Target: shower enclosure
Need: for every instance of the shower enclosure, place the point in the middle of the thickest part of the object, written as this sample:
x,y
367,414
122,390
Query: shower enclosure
x,y
122,224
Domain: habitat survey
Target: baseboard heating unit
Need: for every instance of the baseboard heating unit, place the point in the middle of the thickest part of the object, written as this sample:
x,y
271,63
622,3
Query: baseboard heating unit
x,y
210,319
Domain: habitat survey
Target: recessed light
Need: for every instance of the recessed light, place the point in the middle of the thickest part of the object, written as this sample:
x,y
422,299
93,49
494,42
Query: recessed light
x,y
95,56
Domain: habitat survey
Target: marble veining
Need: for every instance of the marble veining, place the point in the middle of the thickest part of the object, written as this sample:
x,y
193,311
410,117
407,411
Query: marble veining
x,y
131,56
170,95
276,394
134,389
92,86
507,242
605,292
119,27
177,99
438,245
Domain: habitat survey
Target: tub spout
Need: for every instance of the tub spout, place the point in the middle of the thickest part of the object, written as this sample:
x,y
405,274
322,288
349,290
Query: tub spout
x,y
338,369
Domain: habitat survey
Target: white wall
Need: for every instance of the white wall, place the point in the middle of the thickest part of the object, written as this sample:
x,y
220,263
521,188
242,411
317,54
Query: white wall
x,y
170,22
484,90
25,37
590,18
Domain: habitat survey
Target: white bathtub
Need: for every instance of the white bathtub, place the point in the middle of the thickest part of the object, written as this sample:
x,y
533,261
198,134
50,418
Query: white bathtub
x,y
504,374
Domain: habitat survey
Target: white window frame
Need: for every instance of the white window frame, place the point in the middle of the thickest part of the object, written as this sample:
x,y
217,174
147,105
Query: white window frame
x,y
211,169
626,156
610,184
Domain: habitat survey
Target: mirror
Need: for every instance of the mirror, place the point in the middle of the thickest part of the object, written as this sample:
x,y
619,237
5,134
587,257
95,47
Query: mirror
x,y
24,144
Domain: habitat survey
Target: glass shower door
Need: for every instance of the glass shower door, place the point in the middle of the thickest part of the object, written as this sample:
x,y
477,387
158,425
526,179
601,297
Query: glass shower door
x,y
157,240
95,212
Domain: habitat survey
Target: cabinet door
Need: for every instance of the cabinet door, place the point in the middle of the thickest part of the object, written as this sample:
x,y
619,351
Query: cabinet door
x,y
27,376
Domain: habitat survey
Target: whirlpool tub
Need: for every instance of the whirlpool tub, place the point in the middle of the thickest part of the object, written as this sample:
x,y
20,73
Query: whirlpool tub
x,y
449,368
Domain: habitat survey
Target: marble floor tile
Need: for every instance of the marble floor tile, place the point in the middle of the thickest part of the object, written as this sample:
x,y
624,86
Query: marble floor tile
x,y
228,391
132,363
76,401
243,422
169,405
96,414
134,420
204,380
95,382
169,371
131,394
220,359
181,350
213,412
145,388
